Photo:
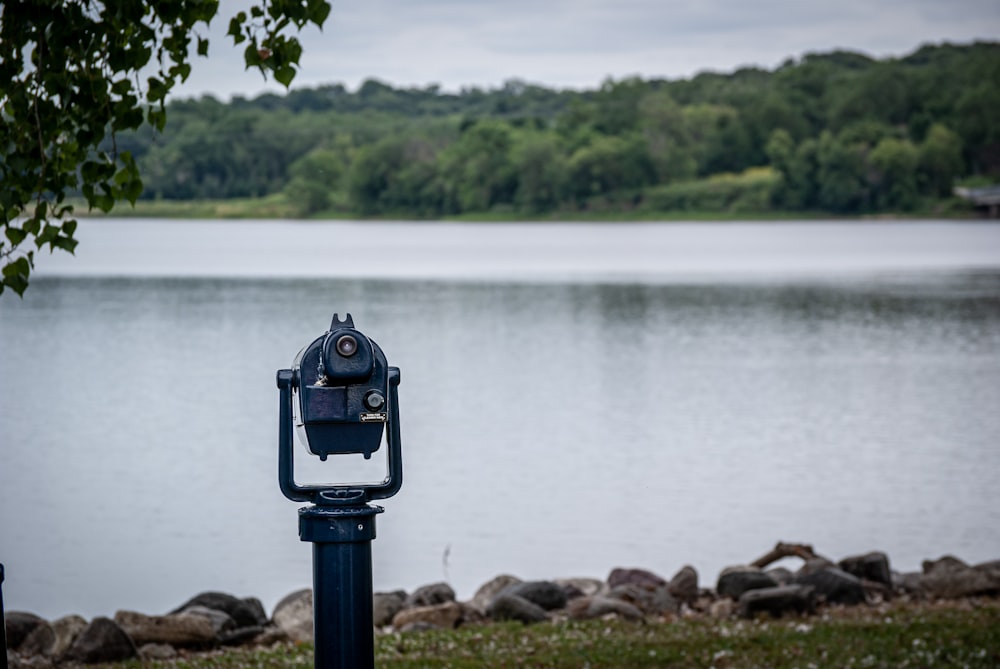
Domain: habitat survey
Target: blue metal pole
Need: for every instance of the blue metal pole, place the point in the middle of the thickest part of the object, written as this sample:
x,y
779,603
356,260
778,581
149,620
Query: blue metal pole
x,y
3,626
342,584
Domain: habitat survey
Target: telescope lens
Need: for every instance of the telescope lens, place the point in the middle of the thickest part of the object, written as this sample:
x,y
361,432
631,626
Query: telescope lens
x,y
347,346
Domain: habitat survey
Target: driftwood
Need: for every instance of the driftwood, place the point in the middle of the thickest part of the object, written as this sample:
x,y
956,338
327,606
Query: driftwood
x,y
783,550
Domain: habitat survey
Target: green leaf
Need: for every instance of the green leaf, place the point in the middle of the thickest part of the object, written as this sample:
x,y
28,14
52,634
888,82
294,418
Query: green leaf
x,y
202,46
284,75
15,235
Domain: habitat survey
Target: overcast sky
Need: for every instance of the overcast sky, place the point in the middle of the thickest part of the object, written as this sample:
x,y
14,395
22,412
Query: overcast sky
x,y
579,43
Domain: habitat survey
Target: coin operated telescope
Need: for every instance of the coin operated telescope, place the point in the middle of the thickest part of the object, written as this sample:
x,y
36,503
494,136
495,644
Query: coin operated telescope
x,y
341,395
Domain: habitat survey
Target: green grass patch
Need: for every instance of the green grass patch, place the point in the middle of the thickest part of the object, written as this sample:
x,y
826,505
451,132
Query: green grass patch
x,y
954,635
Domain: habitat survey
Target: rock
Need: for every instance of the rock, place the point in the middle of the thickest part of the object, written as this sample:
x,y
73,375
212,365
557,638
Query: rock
x,y
910,582
546,594
813,565
244,613
657,601
471,615
67,629
240,636
180,630
781,575
722,608
103,640
585,608
872,566
951,578
41,641
157,651
221,621
417,626
512,607
834,585
487,591
18,625
294,615
734,581
580,587
385,605
684,585
270,636
430,595
444,616
777,601
637,577
256,607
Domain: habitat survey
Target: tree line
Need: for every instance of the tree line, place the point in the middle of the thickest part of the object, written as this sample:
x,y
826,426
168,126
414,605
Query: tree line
x,y
834,132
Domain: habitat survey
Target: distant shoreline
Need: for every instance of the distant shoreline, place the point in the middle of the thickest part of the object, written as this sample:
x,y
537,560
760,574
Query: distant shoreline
x,y
275,207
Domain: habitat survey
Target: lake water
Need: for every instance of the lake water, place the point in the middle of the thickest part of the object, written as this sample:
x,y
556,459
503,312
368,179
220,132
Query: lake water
x,y
575,397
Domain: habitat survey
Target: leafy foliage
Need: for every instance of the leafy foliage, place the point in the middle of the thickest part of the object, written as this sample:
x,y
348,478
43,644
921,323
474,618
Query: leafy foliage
x,y
76,74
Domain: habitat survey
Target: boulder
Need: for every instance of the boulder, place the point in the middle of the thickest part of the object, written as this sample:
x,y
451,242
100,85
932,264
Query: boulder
x,y
546,594
781,575
256,607
950,578
585,608
657,601
734,581
872,566
722,608
103,640
41,641
157,651
446,615
385,605
245,613
18,625
487,591
240,636
580,587
834,585
180,630
67,629
512,607
684,585
430,595
220,620
294,615
637,577
777,601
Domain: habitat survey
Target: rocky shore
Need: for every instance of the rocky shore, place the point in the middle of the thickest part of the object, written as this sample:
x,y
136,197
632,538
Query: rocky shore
x,y
211,620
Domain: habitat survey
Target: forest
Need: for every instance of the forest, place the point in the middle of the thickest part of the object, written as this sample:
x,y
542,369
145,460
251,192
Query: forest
x,y
838,133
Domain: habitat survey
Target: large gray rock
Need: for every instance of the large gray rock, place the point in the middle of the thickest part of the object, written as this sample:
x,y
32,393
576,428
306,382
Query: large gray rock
x,y
950,578
446,615
103,640
221,621
487,591
597,606
512,607
430,595
41,641
834,585
580,587
734,581
546,594
656,601
684,585
872,566
638,577
242,611
294,615
385,605
18,625
67,629
180,630
777,601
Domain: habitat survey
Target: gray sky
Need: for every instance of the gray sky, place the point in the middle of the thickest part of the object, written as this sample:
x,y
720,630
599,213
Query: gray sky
x,y
579,43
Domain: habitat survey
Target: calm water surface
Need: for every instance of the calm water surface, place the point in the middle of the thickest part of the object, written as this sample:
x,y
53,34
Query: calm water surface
x,y
574,398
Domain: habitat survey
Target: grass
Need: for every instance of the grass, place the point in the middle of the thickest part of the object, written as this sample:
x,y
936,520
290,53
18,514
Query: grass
x,y
962,634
